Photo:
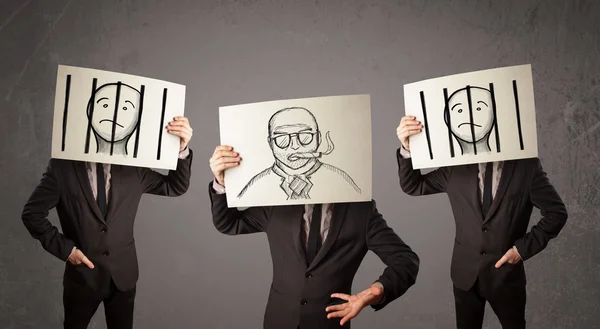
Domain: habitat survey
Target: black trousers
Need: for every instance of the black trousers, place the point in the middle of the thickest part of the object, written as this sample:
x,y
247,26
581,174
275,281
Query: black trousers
x,y
81,302
509,306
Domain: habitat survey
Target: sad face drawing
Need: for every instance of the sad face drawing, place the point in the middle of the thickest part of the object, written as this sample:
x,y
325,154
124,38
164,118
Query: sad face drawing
x,y
113,111
470,117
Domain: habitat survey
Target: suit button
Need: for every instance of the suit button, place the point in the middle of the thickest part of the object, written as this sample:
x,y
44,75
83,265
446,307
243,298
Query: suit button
x,y
302,302
483,253
103,230
485,230
309,275
106,253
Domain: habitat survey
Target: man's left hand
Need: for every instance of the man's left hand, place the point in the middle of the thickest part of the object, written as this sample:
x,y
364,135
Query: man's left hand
x,y
354,304
180,126
511,257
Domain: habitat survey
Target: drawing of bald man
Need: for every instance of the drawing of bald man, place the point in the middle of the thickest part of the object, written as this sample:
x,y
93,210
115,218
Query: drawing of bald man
x,y
294,138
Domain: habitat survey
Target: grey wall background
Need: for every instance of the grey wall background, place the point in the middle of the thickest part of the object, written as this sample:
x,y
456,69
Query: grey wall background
x,y
232,52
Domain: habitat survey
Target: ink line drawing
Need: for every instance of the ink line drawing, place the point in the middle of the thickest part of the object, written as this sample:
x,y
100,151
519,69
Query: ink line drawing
x,y
294,138
516,93
494,108
470,114
91,109
473,117
139,128
114,118
425,124
470,118
114,113
65,112
448,124
162,123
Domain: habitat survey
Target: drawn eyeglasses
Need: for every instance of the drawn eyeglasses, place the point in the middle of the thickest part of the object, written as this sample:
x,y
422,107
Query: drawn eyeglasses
x,y
284,140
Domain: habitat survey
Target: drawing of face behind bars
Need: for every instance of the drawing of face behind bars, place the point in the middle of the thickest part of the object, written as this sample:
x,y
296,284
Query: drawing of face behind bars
x,y
470,117
294,138
113,111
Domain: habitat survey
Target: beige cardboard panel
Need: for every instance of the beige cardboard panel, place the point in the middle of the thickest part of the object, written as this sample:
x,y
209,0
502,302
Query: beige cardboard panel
x,y
476,134
299,151
74,97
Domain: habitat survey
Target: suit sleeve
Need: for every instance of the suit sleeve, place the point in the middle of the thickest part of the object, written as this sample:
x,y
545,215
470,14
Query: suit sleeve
x,y
414,183
175,183
232,221
402,263
35,215
554,215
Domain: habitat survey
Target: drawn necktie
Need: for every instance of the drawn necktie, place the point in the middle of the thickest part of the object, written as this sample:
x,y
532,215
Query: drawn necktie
x,y
101,199
297,185
487,188
314,235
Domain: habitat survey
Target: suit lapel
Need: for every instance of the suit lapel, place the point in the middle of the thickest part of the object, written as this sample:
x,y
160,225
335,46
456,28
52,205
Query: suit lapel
x,y
507,173
296,215
84,183
337,219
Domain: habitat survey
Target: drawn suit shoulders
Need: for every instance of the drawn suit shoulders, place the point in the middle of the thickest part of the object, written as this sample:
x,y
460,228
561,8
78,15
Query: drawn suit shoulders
x,y
255,180
342,174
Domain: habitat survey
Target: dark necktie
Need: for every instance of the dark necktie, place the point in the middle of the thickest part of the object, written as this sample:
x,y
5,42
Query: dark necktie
x,y
487,188
101,199
314,235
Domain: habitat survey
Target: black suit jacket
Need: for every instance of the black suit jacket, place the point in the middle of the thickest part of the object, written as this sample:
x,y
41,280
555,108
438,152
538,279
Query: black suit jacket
x,y
300,292
107,242
480,242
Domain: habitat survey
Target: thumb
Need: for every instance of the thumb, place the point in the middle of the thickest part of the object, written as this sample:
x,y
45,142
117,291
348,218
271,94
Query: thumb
x,y
87,262
376,290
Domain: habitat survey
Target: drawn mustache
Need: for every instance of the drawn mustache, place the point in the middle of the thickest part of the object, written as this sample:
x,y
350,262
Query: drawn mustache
x,y
310,155
468,123
111,122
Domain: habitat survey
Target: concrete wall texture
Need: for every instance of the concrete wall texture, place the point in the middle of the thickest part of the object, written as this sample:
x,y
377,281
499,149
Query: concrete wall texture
x,y
233,52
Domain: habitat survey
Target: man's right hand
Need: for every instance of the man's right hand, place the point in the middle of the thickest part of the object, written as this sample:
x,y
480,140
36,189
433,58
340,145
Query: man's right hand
x,y
223,158
77,257
408,126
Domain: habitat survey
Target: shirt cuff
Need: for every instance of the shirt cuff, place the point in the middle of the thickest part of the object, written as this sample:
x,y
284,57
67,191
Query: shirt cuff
x,y
72,250
404,153
517,251
184,154
218,188
380,286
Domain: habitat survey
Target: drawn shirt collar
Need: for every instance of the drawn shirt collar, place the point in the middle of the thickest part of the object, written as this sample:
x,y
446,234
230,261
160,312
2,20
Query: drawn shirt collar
x,y
296,186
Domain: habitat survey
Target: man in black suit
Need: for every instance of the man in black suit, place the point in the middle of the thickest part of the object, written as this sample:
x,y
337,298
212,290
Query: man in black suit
x,y
96,205
492,205
316,251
